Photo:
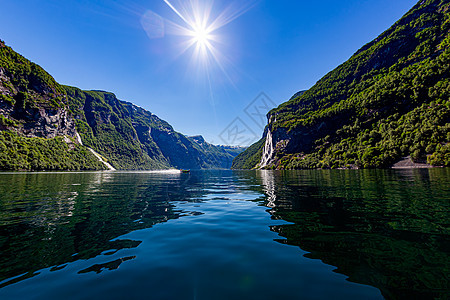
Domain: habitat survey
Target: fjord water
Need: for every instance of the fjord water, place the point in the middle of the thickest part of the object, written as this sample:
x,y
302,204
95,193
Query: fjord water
x,y
366,234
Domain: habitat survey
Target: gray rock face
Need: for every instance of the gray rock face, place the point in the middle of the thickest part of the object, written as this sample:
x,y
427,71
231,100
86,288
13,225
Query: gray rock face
x,y
280,141
49,123
38,121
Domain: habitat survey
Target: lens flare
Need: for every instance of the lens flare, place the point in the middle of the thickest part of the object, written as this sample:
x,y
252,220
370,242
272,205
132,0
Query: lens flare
x,y
197,23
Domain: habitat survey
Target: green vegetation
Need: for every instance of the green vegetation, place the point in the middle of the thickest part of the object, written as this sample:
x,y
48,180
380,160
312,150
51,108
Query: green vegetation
x,y
104,125
7,122
127,136
21,153
27,83
133,138
250,157
28,91
388,101
418,133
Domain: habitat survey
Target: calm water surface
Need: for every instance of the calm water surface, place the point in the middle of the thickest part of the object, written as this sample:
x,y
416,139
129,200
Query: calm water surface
x,y
369,234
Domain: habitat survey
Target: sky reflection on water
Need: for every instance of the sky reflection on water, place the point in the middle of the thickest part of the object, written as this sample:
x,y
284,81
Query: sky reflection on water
x,y
210,234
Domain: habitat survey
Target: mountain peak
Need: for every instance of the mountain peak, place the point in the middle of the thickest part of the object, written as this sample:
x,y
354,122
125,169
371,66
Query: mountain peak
x,y
198,138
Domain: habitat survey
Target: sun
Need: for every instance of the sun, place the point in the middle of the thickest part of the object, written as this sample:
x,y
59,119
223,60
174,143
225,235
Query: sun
x,y
201,36
199,28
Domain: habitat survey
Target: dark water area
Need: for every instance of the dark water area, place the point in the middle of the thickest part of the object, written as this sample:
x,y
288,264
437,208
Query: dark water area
x,y
320,234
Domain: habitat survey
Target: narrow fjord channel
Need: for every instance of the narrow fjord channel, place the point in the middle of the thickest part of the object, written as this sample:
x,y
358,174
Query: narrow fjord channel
x,y
368,234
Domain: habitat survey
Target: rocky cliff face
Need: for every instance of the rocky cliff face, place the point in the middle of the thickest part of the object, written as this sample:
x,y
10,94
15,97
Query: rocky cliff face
x,y
31,102
281,141
389,100
38,121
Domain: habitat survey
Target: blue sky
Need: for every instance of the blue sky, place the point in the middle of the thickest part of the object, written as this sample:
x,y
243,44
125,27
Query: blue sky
x,y
275,47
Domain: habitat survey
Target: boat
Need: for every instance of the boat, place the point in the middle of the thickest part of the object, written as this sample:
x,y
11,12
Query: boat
x,y
185,171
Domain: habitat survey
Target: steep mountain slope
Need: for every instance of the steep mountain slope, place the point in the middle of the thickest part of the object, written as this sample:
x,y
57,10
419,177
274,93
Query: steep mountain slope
x,y
133,138
44,125
36,129
389,100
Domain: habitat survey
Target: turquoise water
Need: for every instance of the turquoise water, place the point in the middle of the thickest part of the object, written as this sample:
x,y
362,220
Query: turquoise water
x,y
369,234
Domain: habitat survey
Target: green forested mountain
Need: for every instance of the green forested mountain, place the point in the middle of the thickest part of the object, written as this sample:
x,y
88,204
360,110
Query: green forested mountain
x,y
389,100
48,126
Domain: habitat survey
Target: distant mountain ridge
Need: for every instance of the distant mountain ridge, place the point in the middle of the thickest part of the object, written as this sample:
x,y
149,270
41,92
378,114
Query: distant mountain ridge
x,y
389,101
48,126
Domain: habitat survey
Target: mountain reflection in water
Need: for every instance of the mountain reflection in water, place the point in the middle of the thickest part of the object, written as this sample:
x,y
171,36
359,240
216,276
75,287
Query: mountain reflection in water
x,y
381,228
388,229
52,219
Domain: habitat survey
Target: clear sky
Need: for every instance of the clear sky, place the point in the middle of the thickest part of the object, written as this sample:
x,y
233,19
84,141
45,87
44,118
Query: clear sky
x,y
134,49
